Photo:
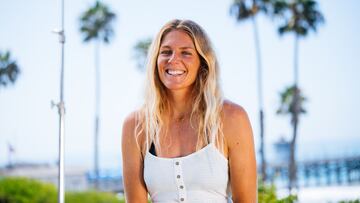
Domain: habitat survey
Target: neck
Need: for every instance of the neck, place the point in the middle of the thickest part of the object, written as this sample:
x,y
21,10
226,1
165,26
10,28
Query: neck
x,y
180,104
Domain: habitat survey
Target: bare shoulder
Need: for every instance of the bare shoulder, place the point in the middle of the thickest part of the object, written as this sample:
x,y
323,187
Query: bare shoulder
x,y
129,123
236,124
129,127
232,110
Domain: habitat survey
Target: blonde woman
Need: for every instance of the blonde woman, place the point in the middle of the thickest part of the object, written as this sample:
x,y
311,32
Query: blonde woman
x,y
186,143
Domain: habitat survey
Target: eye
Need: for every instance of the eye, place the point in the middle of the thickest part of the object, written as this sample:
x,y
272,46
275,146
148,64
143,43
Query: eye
x,y
165,52
187,53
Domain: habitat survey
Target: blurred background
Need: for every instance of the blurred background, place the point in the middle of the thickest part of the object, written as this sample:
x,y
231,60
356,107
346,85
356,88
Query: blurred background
x,y
258,46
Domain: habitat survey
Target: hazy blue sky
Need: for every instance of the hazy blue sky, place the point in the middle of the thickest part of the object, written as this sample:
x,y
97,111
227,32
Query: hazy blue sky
x,y
329,76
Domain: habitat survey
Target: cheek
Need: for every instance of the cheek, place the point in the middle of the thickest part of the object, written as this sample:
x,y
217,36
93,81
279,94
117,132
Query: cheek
x,y
195,65
160,63
159,70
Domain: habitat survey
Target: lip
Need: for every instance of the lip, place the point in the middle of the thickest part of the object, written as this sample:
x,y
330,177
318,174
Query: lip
x,y
175,79
175,71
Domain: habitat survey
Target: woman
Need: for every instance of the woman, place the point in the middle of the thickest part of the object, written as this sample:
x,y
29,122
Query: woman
x,y
186,144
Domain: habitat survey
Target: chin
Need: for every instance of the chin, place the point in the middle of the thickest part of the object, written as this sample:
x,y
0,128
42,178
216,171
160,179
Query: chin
x,y
174,87
177,87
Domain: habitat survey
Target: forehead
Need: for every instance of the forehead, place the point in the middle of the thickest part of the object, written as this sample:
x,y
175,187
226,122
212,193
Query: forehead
x,y
177,38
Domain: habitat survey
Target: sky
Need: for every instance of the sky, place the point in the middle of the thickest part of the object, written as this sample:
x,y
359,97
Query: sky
x,y
329,62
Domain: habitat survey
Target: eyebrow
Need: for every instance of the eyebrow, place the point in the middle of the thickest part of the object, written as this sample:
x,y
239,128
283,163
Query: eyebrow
x,y
169,47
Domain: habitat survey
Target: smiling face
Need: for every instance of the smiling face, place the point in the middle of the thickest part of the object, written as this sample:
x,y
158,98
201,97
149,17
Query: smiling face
x,y
178,61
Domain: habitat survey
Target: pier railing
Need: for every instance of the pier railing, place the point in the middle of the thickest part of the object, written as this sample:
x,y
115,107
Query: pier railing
x,y
323,172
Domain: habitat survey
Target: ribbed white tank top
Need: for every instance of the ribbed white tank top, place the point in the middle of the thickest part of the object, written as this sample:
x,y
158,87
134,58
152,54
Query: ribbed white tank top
x,y
196,178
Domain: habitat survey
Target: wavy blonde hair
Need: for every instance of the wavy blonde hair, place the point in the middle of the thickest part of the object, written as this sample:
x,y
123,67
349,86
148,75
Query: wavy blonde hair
x,y
208,100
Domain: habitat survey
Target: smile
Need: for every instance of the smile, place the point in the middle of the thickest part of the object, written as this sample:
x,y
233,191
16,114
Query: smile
x,y
175,72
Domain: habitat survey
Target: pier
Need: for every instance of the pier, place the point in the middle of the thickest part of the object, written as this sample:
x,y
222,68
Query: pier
x,y
322,172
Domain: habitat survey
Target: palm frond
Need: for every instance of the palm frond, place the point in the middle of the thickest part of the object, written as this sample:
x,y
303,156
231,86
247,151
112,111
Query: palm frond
x,y
298,16
96,23
141,50
289,101
9,70
244,9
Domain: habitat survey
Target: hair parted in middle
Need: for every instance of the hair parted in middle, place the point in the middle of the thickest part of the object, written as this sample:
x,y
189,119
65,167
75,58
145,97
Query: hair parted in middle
x,y
207,96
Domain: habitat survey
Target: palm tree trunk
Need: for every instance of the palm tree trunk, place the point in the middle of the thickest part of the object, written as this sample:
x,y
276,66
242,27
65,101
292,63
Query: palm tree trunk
x,y
97,112
260,97
296,62
292,165
295,118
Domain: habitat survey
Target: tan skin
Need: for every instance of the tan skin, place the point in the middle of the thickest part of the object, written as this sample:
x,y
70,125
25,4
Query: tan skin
x,y
178,54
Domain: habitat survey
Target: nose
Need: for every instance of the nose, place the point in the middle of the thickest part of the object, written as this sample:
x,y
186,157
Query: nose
x,y
174,58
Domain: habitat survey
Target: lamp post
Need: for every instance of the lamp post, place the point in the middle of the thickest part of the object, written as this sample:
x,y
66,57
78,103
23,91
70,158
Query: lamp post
x,y
61,110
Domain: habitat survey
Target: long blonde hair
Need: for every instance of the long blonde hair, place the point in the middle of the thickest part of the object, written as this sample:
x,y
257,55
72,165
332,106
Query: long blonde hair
x,y
208,100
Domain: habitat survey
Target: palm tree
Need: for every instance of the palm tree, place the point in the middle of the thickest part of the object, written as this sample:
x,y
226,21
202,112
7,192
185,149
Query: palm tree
x,y
9,70
141,50
244,10
292,102
96,25
300,17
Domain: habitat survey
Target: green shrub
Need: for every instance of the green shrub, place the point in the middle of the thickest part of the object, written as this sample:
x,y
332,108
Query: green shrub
x,y
24,190
350,201
267,194
91,197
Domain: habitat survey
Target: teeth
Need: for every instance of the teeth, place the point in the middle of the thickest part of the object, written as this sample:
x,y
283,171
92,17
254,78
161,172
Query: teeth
x,y
175,72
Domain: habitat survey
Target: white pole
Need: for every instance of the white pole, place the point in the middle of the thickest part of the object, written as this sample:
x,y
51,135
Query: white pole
x,y
61,111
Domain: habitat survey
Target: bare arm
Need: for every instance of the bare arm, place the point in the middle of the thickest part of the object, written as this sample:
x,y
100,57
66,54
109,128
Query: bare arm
x,y
242,163
134,185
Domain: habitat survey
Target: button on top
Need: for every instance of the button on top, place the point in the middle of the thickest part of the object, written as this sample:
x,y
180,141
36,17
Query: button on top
x,y
177,163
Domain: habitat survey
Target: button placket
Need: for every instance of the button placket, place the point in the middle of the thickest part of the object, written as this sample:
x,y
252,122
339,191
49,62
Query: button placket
x,y
179,179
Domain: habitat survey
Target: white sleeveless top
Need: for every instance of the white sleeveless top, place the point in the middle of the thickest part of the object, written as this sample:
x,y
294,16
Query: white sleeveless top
x,y
202,176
